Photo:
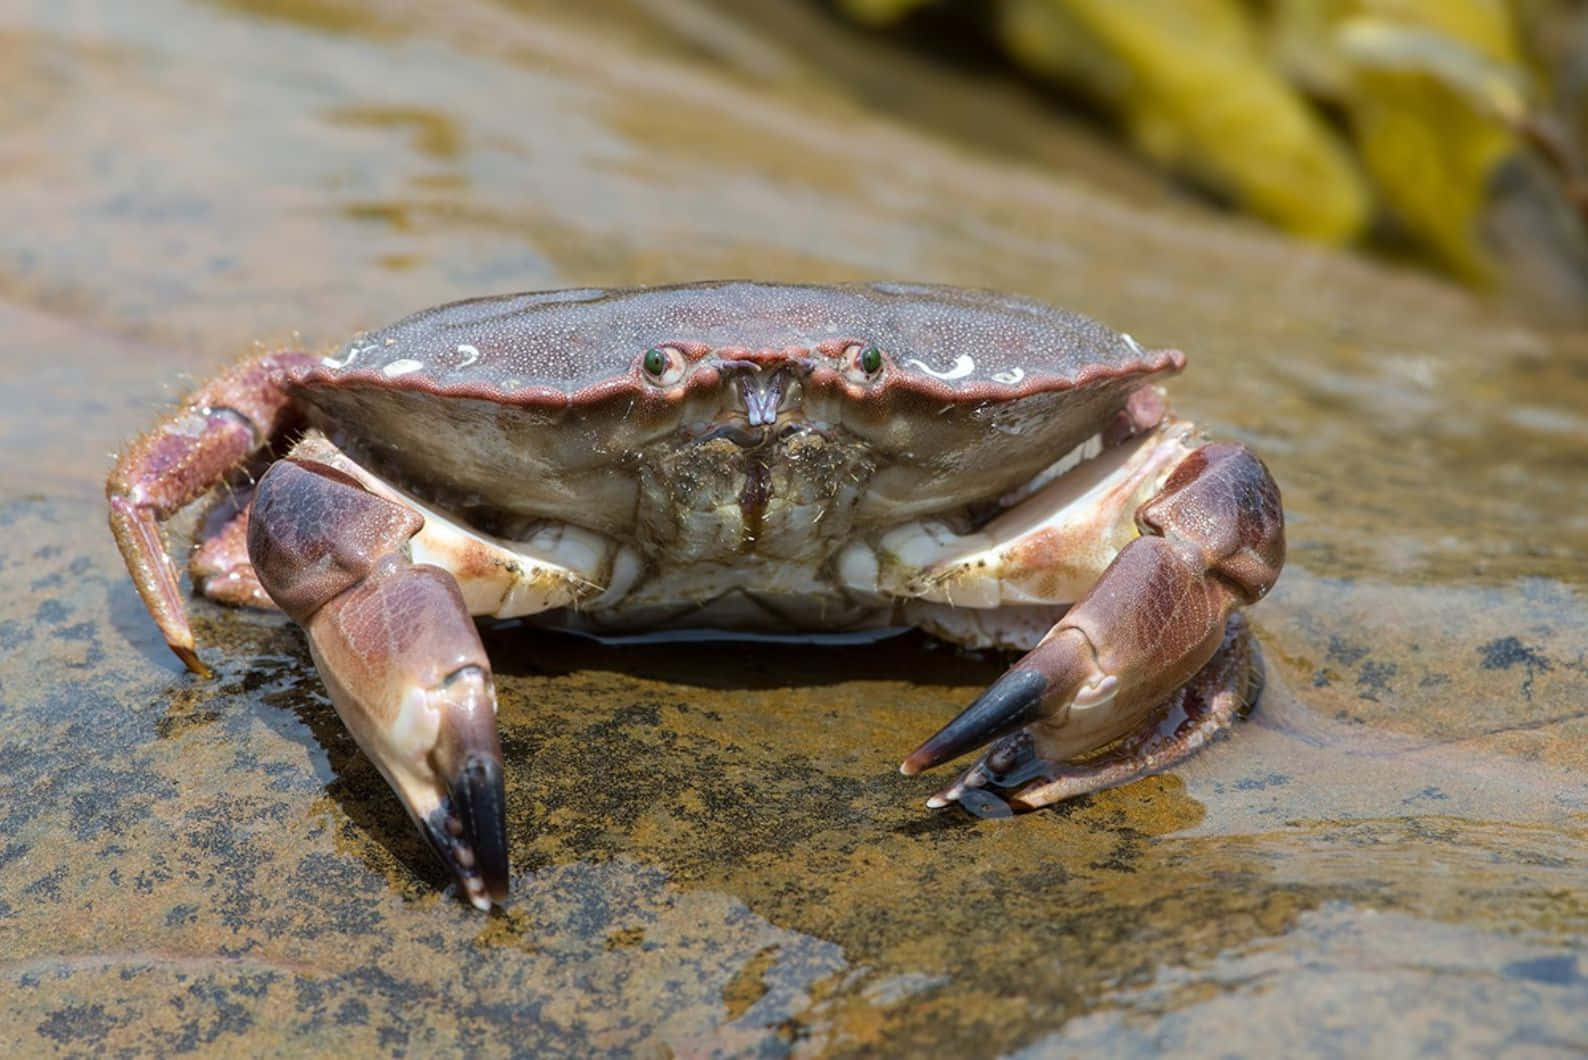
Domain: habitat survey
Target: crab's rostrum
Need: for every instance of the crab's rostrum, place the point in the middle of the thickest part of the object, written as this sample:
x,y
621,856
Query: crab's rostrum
x,y
728,456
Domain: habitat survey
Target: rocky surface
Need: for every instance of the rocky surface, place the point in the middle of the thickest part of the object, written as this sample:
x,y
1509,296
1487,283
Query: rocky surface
x,y
712,849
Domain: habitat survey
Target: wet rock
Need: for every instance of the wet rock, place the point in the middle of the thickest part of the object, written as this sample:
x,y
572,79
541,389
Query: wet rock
x,y
713,849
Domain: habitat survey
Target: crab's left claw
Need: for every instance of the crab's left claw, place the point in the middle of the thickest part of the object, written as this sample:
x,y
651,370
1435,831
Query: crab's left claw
x,y
1157,628
1058,685
399,654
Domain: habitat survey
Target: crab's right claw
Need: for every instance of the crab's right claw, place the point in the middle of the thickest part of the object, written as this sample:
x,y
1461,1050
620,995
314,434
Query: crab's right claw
x,y
427,719
466,822
399,654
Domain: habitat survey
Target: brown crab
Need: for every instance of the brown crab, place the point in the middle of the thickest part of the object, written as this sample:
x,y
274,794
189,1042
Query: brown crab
x,y
728,455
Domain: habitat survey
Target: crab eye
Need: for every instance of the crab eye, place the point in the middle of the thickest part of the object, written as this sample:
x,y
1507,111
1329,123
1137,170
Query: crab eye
x,y
664,365
863,363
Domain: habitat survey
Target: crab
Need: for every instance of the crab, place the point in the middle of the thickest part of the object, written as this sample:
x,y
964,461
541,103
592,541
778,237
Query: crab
x,y
729,456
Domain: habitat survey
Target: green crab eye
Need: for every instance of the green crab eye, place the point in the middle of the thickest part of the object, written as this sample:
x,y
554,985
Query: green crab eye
x,y
871,360
655,362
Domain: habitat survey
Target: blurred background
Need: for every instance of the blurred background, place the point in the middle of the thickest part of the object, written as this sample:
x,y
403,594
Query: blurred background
x,y
1363,221
1450,131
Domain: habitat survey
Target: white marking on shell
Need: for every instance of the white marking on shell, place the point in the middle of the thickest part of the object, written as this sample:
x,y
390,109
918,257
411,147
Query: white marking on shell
x,y
402,367
353,352
963,365
1011,377
1135,347
470,355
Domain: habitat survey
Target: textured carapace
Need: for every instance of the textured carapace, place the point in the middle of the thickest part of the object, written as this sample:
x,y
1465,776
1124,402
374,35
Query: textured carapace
x,y
543,401
547,347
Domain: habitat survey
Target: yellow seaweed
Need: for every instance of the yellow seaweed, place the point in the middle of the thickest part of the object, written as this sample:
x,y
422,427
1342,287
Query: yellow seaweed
x,y
1434,114
879,12
1433,106
1193,88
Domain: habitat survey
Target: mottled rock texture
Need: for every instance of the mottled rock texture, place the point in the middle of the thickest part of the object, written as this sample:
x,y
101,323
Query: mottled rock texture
x,y
712,848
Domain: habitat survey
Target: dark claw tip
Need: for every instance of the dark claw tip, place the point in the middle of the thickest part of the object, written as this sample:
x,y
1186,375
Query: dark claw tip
x,y
1010,702
478,800
469,830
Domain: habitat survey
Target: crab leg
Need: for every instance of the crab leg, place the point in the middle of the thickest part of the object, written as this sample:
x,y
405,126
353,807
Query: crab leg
x,y
220,568
178,462
398,652
1213,541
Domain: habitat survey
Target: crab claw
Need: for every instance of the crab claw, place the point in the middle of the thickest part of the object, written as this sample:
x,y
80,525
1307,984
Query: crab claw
x,y
438,750
1052,705
467,827
1030,773
403,664
1057,682
1157,630
399,654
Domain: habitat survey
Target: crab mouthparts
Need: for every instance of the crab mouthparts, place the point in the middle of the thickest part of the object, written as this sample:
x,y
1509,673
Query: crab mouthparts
x,y
762,396
768,407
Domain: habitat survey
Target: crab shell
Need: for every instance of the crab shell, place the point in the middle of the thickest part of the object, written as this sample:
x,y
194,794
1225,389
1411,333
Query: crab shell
x,y
998,471
537,399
